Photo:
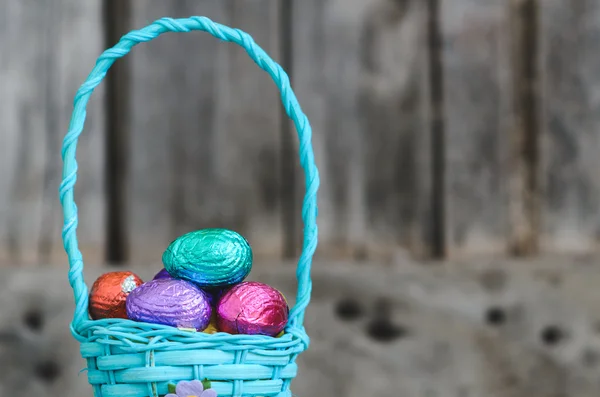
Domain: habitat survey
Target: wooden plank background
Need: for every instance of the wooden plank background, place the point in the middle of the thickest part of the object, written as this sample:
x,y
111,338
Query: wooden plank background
x,y
204,131
571,125
358,68
47,49
441,129
476,68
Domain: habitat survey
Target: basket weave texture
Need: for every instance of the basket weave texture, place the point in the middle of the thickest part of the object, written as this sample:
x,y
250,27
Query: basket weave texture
x,y
130,359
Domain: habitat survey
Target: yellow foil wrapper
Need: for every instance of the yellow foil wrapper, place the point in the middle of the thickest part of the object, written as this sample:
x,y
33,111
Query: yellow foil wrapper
x,y
212,326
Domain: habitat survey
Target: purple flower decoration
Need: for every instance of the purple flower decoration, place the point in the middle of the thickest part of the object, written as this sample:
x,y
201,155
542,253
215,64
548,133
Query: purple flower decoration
x,y
192,389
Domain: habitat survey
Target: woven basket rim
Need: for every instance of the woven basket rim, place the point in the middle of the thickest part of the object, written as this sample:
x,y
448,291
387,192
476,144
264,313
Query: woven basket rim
x,y
139,337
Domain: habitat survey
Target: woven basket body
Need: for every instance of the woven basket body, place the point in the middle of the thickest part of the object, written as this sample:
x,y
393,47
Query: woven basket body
x,y
130,359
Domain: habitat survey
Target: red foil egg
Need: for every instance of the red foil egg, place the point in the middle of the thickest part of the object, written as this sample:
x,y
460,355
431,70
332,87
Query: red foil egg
x,y
109,293
252,308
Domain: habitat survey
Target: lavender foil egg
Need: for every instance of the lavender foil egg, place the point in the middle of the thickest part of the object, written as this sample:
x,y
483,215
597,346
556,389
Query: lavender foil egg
x,y
169,301
214,294
252,308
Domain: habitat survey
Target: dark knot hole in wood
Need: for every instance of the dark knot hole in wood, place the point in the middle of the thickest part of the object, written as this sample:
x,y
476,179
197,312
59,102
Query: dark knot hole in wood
x,y
552,335
348,309
34,320
384,331
48,371
495,316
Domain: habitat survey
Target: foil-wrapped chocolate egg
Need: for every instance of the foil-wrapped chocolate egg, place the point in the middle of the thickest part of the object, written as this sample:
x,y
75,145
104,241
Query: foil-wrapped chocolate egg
x,y
214,294
209,257
252,308
109,292
162,274
173,302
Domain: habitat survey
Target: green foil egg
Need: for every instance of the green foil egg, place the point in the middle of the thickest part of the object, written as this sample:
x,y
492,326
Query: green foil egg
x,y
209,257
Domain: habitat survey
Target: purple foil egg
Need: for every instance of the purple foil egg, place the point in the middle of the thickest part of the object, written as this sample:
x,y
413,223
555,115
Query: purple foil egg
x,y
173,302
162,274
252,308
214,294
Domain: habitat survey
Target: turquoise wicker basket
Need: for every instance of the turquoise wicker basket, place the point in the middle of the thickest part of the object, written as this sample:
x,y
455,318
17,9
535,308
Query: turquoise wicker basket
x,y
127,358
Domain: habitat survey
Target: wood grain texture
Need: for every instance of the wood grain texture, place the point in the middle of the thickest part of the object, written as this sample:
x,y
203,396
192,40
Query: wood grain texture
x,y
248,125
570,125
477,113
359,73
205,126
48,48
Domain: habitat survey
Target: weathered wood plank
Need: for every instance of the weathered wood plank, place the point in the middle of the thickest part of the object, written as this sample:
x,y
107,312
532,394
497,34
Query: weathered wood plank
x,y
316,79
396,136
477,113
570,125
172,89
359,71
248,130
205,130
48,50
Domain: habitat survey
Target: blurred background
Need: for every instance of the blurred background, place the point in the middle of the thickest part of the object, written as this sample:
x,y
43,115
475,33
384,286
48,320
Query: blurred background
x,y
457,142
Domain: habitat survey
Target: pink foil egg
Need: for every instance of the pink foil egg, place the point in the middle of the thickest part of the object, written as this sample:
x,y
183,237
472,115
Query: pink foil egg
x,y
252,308
173,302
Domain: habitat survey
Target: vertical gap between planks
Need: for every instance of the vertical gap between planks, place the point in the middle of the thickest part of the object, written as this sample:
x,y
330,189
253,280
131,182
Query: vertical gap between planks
x,y
438,153
288,169
116,22
524,200
176,149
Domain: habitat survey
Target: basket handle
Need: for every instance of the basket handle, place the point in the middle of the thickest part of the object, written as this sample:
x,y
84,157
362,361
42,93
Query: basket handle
x,y
293,110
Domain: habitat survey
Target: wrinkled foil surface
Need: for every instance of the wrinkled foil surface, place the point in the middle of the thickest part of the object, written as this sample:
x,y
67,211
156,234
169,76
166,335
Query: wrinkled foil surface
x,y
252,308
109,292
173,302
214,294
209,257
